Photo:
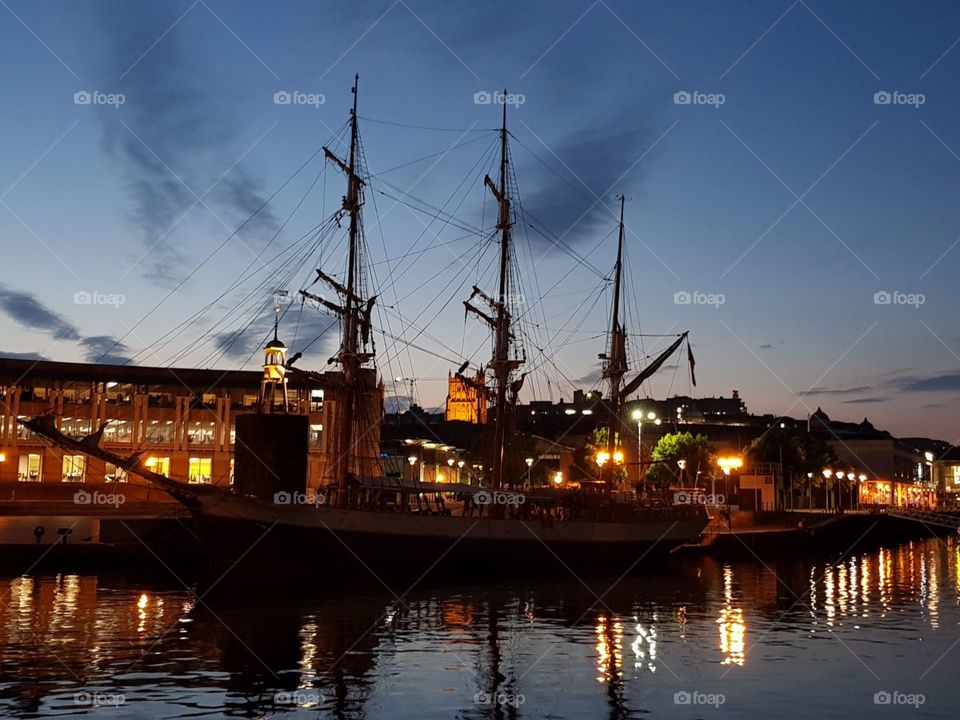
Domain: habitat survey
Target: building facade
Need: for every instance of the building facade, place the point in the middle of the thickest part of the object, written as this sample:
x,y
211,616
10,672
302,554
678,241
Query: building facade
x,y
181,421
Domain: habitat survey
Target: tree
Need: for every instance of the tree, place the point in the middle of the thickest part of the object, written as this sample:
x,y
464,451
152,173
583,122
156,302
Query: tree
x,y
597,443
680,446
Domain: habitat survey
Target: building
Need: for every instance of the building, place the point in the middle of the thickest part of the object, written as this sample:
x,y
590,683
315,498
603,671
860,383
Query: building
x,y
180,420
466,400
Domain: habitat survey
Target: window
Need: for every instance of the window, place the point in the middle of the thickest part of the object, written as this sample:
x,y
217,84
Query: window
x,y
316,435
29,470
249,400
956,475
209,399
200,470
74,467
316,400
114,474
159,465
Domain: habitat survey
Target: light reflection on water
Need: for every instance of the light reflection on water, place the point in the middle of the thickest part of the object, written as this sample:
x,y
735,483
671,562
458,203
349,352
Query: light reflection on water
x,y
770,638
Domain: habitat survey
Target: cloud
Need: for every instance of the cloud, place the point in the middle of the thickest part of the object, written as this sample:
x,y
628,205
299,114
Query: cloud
x,y
600,159
23,356
833,391
28,312
314,328
173,138
865,400
105,349
765,346
943,382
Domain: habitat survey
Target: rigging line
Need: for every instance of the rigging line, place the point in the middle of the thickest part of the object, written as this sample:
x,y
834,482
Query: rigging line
x,y
424,158
393,272
563,245
239,307
207,259
168,337
372,270
437,212
423,330
244,273
426,127
579,190
289,267
398,258
429,213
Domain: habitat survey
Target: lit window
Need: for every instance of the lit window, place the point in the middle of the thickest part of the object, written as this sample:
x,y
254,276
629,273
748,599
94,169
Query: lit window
x,y
29,470
74,467
200,470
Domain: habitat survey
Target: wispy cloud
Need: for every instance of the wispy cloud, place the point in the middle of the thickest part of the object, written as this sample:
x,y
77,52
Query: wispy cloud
x,y
174,139
29,312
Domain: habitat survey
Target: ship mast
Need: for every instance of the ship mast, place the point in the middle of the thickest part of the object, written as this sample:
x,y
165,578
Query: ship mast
x,y
501,360
616,366
499,317
349,357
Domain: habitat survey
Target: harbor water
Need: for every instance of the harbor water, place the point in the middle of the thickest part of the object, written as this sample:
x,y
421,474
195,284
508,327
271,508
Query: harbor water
x,y
874,634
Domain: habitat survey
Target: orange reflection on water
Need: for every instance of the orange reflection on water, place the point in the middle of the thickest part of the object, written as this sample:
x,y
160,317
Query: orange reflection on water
x,y
609,649
732,625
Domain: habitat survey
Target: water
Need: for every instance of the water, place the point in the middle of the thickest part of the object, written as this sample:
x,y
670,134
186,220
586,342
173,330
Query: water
x,y
703,639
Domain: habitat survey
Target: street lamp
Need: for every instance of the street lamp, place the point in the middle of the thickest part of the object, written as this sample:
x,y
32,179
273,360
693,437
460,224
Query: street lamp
x,y
639,416
809,491
529,462
726,464
827,472
682,464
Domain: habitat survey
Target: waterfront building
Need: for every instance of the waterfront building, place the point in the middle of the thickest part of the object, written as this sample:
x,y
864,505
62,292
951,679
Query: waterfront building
x,y
181,421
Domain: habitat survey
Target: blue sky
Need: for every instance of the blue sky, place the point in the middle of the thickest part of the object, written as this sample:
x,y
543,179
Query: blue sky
x,y
797,199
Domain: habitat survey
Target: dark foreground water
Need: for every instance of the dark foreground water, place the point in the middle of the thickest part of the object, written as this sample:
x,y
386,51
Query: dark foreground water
x,y
877,635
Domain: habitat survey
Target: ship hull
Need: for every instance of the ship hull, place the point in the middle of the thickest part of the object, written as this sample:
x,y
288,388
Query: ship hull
x,y
321,544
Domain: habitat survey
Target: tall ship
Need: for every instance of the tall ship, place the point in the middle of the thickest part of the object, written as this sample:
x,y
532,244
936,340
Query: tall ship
x,y
358,520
